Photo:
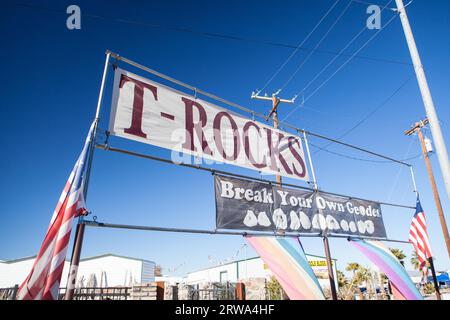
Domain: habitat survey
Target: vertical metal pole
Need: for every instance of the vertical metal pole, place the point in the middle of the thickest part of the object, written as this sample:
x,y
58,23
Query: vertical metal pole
x,y
79,233
275,103
325,238
330,268
438,138
433,273
310,161
74,262
435,191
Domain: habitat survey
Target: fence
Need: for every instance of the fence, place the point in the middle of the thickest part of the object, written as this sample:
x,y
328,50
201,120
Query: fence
x,y
108,293
156,291
8,293
217,291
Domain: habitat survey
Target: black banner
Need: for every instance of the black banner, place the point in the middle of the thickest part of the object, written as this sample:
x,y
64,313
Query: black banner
x,y
251,205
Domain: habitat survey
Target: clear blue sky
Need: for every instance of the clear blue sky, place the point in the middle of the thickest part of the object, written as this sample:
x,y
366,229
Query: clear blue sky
x,y
51,77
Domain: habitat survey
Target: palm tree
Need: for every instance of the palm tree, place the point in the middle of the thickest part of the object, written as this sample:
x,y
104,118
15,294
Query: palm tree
x,y
383,280
415,261
342,280
353,267
274,290
363,276
360,275
399,255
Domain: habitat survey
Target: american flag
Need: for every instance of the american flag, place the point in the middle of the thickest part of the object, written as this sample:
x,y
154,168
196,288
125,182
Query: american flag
x,y
418,235
43,281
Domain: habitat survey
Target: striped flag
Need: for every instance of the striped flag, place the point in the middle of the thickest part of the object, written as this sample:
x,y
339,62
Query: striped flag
x,y
43,281
418,235
403,287
290,267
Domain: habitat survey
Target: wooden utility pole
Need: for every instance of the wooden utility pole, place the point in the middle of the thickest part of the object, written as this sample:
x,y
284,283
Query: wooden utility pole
x,y
417,129
274,112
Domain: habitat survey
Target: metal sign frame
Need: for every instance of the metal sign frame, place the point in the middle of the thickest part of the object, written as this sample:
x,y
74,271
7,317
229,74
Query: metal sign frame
x,y
82,223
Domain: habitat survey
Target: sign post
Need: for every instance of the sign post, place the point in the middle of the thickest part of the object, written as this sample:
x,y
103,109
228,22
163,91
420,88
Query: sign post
x,y
79,233
330,268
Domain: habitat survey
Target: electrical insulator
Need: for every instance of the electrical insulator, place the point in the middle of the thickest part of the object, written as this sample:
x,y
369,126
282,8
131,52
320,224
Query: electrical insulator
x,y
428,145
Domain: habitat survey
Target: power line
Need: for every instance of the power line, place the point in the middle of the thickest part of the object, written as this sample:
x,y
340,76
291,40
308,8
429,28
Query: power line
x,y
214,35
370,114
379,5
394,185
357,158
317,45
349,59
368,3
336,57
378,107
300,45
342,50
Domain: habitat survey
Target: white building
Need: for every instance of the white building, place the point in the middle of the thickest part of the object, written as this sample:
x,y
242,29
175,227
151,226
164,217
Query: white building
x,y
104,270
416,276
255,268
114,270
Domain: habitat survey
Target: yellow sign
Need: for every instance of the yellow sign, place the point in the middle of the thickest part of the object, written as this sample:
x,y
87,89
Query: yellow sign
x,y
318,263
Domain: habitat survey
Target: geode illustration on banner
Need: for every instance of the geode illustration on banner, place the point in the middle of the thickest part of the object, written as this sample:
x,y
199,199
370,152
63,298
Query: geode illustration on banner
x,y
258,206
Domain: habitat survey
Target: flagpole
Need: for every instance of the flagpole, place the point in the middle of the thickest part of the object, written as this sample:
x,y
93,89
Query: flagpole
x,y
79,233
330,268
435,282
430,259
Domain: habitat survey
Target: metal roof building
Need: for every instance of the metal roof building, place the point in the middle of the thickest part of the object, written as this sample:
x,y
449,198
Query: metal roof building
x,y
100,271
255,268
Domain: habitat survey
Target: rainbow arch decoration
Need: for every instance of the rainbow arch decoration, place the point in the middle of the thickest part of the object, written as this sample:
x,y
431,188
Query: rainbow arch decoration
x,y
290,267
381,256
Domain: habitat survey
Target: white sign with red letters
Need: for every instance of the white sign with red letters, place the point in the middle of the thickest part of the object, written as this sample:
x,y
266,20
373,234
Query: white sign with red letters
x,y
149,112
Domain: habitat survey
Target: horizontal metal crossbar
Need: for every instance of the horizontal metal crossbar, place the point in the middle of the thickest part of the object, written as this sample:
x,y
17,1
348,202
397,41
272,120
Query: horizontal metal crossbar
x,y
214,171
93,223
